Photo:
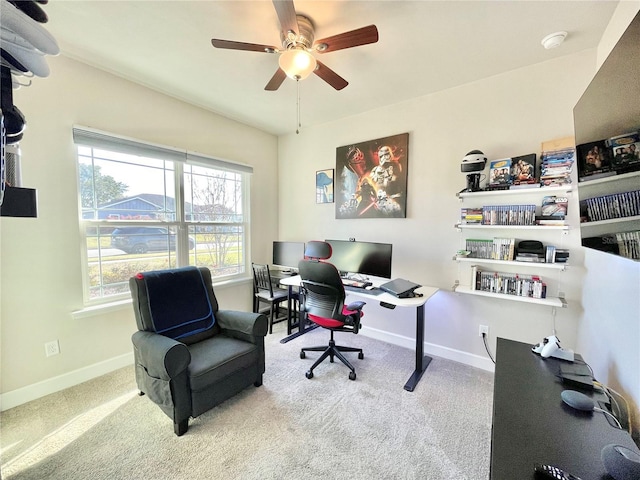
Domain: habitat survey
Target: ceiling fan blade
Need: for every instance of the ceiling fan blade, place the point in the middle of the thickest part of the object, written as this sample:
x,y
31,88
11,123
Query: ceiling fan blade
x,y
354,38
276,80
331,77
286,15
252,47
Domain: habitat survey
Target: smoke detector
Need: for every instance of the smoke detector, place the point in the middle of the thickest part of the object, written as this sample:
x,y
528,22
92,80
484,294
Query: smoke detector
x,y
553,40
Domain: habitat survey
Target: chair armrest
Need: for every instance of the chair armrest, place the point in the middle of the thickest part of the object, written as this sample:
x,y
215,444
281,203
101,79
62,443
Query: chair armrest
x,y
353,306
162,357
244,325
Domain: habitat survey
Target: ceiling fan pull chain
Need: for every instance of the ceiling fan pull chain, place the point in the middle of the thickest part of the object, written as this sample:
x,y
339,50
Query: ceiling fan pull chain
x,y
298,105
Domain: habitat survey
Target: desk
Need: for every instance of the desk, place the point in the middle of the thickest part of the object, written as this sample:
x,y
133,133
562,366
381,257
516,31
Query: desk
x,y
531,424
422,361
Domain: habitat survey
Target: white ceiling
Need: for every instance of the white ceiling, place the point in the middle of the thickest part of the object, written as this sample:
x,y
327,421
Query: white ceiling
x,y
424,47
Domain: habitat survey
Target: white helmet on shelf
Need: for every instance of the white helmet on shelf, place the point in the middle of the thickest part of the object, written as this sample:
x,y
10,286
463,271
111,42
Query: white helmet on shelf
x,y
474,161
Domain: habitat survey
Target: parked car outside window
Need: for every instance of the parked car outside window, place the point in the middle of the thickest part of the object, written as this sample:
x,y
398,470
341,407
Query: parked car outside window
x,y
145,239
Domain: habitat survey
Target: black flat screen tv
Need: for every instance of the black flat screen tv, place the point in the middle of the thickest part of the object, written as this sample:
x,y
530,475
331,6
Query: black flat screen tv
x,y
365,258
288,254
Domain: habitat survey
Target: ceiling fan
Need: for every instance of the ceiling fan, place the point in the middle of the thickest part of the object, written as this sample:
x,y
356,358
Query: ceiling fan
x,y
297,35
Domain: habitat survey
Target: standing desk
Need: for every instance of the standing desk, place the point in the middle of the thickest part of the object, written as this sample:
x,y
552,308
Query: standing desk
x,y
386,300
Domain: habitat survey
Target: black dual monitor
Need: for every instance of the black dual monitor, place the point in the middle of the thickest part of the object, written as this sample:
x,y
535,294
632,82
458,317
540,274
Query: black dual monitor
x,y
364,258
288,254
349,257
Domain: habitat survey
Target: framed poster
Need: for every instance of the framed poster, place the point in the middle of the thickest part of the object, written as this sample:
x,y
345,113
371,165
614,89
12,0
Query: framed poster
x,y
324,186
372,178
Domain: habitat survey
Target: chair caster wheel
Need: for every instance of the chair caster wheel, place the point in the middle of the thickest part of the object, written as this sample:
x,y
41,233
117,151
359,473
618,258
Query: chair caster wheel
x,y
309,374
360,355
302,355
352,375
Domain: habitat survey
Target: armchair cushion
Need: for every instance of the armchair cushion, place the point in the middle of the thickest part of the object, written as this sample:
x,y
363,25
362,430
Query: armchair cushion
x,y
218,357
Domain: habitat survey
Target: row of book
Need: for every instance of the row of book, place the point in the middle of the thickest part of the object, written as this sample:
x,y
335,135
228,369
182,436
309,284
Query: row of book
x,y
509,215
612,156
508,283
495,249
607,207
470,216
629,244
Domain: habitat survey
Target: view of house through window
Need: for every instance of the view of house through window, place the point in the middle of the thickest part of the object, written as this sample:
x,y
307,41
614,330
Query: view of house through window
x,y
139,214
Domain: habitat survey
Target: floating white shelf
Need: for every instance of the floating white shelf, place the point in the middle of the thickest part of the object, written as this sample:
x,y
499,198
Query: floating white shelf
x,y
549,301
613,178
534,265
519,191
540,228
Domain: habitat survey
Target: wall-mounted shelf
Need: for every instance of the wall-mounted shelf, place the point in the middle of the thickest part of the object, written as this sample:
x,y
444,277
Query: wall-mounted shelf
x,y
562,189
505,197
549,301
613,178
540,228
534,265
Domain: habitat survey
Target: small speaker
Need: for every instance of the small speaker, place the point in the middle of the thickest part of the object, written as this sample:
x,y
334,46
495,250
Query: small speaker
x,y
577,400
621,462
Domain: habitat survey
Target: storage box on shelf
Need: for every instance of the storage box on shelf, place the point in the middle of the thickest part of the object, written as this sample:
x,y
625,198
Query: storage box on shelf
x,y
512,285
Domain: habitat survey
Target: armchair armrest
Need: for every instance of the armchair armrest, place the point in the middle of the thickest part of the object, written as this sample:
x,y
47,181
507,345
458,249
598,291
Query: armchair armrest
x,y
242,325
162,357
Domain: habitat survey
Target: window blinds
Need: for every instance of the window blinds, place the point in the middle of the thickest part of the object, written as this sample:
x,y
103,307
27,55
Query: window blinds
x,y
97,139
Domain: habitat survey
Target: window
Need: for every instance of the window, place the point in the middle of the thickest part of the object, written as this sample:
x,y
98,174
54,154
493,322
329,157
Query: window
x,y
147,207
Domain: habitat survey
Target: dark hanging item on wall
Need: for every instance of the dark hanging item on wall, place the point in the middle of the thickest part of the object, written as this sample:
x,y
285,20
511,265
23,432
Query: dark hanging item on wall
x,y
14,122
19,202
15,201
32,9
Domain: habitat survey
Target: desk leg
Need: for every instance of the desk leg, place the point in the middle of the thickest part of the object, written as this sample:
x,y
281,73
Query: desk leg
x,y
289,304
422,361
302,328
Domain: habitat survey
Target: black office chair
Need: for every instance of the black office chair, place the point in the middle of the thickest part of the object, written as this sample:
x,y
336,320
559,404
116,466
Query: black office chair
x,y
322,302
263,291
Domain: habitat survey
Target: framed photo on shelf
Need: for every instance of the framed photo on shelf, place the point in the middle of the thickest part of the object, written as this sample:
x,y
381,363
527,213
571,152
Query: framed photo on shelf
x,y
324,186
594,159
500,174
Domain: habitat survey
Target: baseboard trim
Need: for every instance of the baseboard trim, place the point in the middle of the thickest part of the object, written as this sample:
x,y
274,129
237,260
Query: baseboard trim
x,y
430,348
55,384
46,387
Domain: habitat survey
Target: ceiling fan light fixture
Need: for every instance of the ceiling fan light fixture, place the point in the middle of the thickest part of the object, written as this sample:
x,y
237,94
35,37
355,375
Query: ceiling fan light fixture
x,y
297,63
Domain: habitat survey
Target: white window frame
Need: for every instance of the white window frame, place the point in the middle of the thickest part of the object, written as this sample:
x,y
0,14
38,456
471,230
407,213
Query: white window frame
x,y
89,137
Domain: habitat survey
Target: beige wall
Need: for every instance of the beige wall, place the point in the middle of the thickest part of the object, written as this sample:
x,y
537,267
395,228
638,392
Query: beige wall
x,y
41,267
506,115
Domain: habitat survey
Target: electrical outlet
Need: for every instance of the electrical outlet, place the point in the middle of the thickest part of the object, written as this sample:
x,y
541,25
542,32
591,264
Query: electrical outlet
x,y
484,329
52,348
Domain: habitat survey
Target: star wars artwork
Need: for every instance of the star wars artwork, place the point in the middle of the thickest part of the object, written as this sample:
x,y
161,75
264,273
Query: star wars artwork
x,y
371,178
324,186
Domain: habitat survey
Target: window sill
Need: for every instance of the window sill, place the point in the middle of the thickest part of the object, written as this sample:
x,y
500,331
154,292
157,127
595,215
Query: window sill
x,y
95,310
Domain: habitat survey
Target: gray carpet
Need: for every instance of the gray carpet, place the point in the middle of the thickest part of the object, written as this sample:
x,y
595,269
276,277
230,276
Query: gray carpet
x,y
291,427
